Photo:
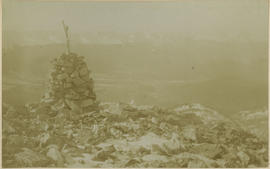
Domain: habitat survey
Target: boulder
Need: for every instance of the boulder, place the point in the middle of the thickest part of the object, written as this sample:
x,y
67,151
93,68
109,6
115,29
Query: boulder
x,y
54,154
102,155
74,106
84,71
207,150
62,76
77,81
74,74
109,149
244,158
189,133
86,103
132,163
67,85
85,77
196,164
143,150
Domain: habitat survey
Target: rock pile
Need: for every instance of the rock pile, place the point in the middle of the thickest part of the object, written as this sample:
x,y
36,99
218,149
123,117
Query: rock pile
x,y
70,85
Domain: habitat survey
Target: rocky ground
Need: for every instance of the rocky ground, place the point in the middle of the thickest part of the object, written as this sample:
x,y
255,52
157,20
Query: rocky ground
x,y
128,135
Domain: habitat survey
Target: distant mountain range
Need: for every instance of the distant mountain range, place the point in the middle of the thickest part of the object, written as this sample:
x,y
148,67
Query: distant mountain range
x,y
11,38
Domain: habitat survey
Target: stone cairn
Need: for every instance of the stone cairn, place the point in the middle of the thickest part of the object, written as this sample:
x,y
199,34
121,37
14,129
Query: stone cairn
x,y
70,84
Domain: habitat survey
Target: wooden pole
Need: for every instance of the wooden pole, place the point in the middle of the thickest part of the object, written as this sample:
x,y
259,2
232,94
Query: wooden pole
x,y
67,36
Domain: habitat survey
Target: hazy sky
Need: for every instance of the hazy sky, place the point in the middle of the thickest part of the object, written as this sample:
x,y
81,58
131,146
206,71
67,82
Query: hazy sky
x,y
218,18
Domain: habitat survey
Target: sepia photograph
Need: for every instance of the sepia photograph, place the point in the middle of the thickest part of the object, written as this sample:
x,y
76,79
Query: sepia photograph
x,y
135,84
